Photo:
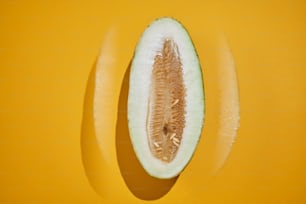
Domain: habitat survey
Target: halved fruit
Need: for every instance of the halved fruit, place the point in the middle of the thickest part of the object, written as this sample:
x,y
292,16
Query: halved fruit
x,y
166,99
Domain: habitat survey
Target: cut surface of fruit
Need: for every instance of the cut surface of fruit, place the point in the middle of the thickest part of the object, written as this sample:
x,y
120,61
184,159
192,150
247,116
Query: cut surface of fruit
x,y
166,99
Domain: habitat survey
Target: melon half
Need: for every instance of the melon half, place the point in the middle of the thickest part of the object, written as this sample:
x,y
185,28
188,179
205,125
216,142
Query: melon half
x,y
166,99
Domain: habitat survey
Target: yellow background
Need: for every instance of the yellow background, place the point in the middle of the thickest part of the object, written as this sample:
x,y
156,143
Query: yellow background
x,y
49,48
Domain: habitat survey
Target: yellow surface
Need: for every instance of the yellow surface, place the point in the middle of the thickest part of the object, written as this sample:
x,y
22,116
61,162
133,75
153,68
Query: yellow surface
x,y
48,152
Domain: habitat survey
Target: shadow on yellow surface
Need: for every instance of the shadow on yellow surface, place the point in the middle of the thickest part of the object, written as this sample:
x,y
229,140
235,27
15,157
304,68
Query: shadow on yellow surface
x,y
91,154
138,181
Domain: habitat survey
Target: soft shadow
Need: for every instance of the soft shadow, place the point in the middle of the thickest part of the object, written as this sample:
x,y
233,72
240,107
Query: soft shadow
x,y
141,184
229,105
91,154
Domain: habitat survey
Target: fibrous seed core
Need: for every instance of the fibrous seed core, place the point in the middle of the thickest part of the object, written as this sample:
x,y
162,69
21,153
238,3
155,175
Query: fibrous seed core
x,y
166,109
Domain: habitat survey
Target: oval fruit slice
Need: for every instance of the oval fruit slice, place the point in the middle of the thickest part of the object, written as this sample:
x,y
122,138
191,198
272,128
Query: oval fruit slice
x,y
166,99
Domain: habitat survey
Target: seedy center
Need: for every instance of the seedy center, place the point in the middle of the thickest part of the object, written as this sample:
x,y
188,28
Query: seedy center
x,y
166,108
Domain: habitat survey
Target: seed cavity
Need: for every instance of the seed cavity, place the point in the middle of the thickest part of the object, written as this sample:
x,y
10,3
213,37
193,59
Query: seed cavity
x,y
166,108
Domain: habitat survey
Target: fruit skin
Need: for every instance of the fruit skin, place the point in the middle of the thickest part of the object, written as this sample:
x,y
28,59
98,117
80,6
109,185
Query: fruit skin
x,y
141,69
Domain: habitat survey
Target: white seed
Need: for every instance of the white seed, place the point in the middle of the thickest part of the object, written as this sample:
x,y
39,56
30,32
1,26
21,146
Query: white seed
x,y
175,143
172,136
175,102
176,140
156,144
